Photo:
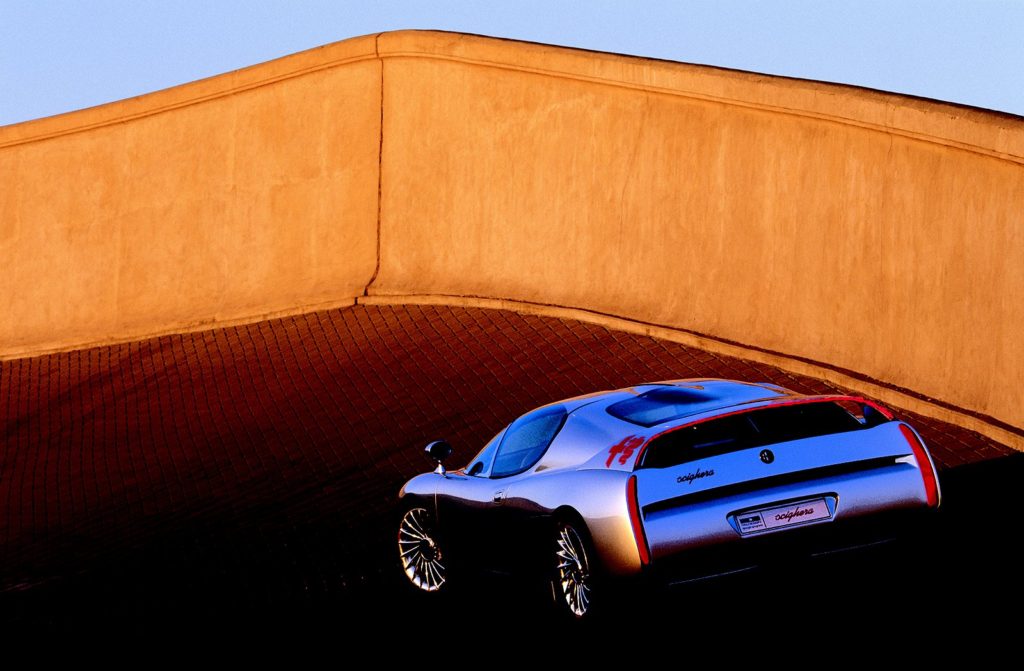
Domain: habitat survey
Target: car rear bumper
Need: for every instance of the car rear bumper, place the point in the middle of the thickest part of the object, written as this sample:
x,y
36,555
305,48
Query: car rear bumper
x,y
796,545
702,538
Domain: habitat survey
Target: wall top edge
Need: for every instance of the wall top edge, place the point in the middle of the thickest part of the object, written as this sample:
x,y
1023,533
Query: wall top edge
x,y
989,132
971,128
218,86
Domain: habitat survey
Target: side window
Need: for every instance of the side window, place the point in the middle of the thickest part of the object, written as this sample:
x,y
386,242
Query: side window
x,y
526,440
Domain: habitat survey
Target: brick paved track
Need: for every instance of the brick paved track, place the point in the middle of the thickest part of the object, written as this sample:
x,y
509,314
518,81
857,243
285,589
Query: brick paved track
x,y
257,464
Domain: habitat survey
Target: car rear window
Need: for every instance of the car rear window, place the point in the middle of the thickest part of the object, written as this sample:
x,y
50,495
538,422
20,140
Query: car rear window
x,y
756,428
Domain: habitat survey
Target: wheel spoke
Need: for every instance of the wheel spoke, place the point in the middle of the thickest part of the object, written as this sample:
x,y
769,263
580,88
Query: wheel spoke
x,y
434,574
411,534
415,523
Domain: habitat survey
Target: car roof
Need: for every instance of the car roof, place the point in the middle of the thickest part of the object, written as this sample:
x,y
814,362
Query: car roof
x,y
709,397
595,423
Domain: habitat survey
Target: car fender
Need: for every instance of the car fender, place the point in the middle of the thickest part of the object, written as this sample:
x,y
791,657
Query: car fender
x,y
421,489
598,496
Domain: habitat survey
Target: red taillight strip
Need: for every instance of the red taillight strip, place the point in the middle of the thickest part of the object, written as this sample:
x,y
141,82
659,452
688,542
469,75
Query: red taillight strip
x,y
634,519
796,401
931,486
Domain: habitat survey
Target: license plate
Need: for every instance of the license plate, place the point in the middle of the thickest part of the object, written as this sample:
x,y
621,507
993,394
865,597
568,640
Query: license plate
x,y
783,516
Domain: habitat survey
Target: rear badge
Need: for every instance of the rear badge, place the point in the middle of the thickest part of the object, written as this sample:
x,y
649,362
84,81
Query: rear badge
x,y
767,456
696,475
815,510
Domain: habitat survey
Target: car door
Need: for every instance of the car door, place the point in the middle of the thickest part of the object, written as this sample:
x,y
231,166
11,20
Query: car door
x,y
511,522
473,505
465,502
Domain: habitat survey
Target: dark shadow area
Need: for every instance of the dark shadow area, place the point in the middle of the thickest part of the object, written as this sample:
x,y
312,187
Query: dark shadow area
x,y
953,578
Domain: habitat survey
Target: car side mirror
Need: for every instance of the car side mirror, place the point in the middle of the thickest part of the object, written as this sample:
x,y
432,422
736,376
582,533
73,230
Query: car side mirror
x,y
438,451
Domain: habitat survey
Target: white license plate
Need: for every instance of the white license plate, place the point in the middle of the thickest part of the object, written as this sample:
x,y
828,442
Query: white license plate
x,y
783,516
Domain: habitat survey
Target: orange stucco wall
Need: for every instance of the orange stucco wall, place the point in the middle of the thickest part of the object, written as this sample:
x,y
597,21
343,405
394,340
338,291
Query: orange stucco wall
x,y
866,231
241,195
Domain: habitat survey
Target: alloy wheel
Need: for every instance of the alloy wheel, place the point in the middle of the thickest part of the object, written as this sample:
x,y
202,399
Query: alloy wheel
x,y
574,579
418,549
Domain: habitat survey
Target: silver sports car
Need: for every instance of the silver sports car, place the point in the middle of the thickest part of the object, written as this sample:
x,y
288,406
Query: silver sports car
x,y
683,479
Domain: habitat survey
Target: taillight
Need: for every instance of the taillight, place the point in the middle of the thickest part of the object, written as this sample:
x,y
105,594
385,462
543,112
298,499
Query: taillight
x,y
931,487
634,519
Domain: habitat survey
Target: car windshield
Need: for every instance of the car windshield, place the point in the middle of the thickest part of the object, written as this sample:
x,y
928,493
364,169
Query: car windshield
x,y
478,465
527,439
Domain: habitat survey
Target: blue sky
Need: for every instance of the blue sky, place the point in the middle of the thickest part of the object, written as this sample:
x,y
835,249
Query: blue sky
x,y
61,55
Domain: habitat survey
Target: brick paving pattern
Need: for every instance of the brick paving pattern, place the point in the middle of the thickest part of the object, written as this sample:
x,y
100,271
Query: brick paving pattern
x,y
258,464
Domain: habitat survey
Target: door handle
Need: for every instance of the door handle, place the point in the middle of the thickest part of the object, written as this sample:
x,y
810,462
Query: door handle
x,y
499,496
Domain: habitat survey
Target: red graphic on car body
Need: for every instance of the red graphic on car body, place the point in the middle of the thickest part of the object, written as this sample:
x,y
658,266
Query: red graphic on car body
x,y
623,449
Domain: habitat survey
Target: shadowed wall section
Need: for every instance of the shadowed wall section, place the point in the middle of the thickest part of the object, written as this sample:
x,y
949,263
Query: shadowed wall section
x,y
866,232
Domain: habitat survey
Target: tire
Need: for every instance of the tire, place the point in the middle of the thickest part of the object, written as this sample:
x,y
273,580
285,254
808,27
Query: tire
x,y
420,554
575,586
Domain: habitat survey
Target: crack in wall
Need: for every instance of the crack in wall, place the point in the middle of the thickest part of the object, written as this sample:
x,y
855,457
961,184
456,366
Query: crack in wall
x,y
380,164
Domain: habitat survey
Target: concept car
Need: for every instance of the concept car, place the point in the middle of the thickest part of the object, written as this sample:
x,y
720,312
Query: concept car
x,y
683,479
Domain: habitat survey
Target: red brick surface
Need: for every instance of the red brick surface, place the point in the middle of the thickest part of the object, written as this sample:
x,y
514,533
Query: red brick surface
x,y
254,459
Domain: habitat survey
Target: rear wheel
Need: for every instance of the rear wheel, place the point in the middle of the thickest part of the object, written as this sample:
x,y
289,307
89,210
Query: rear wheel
x,y
573,582
423,561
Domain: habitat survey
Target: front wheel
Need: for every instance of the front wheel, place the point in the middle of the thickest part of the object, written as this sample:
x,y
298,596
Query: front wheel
x,y
419,551
573,583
